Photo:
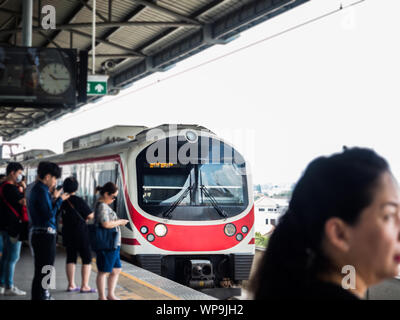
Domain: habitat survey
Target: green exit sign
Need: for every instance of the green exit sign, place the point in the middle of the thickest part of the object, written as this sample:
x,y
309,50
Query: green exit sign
x,y
96,85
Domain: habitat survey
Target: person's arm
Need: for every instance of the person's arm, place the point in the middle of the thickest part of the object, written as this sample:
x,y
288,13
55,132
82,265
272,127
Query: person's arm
x,y
105,219
113,224
90,216
45,206
83,209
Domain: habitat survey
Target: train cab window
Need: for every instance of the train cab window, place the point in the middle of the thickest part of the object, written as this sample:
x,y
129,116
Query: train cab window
x,y
203,176
224,183
163,187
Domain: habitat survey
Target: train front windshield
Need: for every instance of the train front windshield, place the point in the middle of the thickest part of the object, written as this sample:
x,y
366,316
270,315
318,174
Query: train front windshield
x,y
204,175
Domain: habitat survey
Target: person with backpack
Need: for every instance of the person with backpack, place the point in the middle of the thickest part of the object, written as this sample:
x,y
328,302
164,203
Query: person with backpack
x,y
74,214
13,226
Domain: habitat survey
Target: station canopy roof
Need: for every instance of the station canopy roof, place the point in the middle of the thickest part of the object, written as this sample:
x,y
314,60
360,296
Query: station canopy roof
x,y
134,38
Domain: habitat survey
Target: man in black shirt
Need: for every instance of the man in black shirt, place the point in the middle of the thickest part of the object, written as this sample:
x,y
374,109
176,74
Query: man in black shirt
x,y
13,211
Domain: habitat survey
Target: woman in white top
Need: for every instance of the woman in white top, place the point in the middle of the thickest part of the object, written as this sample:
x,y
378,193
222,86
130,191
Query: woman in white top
x,y
108,262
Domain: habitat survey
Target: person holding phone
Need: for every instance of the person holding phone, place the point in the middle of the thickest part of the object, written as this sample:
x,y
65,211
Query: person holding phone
x,y
43,212
108,262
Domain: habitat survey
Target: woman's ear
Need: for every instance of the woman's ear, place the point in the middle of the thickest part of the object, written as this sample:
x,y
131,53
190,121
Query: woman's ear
x,y
337,234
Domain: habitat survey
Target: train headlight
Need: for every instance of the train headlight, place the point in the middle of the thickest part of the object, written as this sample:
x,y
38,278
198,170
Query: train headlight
x,y
150,237
191,136
160,230
144,230
245,229
230,229
239,237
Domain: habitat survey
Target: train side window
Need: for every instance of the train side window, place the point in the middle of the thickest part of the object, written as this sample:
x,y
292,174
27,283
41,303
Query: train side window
x,y
120,203
32,172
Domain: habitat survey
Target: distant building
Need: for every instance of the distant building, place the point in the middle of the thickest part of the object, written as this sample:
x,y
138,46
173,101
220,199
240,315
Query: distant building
x,y
257,188
267,213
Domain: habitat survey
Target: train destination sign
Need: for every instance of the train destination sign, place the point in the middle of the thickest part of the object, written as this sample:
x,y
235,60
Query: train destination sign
x,y
41,77
97,85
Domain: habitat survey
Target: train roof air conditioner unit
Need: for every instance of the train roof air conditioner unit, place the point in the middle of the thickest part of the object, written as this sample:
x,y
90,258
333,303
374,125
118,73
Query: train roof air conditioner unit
x,y
102,137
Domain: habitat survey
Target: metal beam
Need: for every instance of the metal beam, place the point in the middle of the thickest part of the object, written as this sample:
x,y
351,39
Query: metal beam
x,y
110,10
73,26
7,22
115,56
85,3
49,39
167,11
110,43
14,128
128,24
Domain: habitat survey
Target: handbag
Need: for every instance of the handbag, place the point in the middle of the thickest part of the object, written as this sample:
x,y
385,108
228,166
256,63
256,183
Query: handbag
x,y
102,239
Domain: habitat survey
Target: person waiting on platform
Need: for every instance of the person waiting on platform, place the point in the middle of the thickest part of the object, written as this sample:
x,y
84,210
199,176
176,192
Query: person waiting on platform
x,y
2,179
42,213
14,227
108,262
74,214
340,234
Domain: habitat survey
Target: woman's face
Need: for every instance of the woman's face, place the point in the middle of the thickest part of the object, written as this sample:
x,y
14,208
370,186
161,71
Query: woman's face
x,y
109,198
374,242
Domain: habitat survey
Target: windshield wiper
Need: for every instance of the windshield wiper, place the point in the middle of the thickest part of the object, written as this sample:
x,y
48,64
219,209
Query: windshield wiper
x,y
214,202
168,212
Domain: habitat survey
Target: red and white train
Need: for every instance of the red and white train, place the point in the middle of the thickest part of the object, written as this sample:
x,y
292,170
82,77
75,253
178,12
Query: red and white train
x,y
187,194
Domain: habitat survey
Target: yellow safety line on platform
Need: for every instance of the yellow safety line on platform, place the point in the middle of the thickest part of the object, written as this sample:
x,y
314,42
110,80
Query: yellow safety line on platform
x,y
146,284
151,286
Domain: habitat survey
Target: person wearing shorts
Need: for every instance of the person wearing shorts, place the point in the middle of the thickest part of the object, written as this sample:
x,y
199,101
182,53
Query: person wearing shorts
x,y
108,262
74,214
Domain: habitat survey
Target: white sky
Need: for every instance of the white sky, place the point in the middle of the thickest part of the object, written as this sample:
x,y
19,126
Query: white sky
x,y
282,102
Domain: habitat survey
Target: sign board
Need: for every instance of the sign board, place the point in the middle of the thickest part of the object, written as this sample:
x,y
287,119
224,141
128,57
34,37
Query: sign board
x,y
41,77
97,85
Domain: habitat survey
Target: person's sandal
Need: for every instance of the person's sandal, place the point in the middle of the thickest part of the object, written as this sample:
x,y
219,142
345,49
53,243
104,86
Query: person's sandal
x,y
89,291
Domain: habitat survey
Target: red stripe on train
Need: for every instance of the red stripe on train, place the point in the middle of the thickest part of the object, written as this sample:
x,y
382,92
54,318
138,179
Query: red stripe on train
x,y
132,242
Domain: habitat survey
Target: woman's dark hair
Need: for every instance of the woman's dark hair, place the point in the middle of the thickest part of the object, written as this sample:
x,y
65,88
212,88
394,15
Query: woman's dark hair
x,y
109,187
13,167
341,185
45,168
70,185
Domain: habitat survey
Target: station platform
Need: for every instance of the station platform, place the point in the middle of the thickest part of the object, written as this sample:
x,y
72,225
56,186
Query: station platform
x,y
134,283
